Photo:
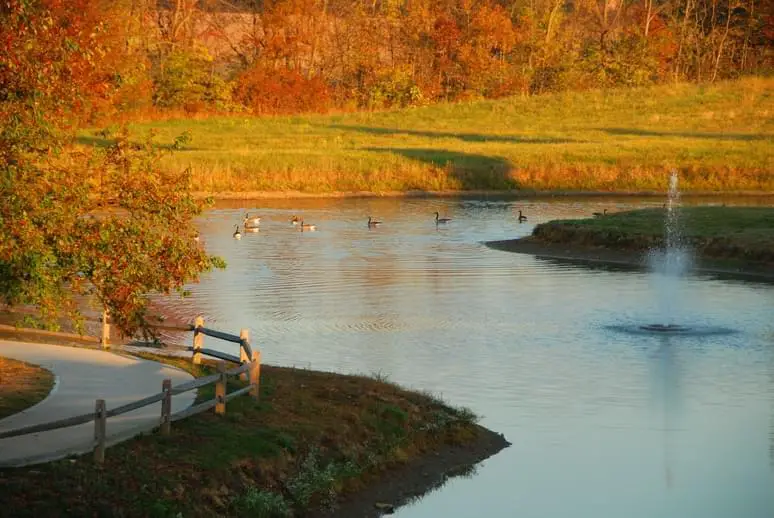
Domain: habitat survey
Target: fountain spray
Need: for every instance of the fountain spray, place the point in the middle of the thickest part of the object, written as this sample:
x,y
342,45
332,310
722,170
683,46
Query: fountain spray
x,y
670,263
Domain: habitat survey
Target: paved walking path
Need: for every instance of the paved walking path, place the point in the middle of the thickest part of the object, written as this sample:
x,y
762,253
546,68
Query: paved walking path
x,y
82,376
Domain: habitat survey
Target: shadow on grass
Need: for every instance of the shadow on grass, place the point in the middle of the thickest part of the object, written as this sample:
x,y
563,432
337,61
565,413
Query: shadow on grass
x,y
467,137
101,142
687,134
472,171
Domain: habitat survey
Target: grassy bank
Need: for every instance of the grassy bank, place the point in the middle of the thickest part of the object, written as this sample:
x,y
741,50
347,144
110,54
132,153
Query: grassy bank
x,y
720,138
313,439
739,234
22,385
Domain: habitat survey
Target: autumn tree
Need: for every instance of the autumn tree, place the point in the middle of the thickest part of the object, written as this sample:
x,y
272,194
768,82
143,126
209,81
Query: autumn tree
x,y
108,224
488,42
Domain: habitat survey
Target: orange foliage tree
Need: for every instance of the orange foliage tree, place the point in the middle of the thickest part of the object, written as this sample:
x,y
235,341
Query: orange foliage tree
x,y
108,224
281,91
278,56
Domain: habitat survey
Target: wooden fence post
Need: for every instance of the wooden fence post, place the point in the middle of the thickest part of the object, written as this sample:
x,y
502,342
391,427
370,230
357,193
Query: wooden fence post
x,y
220,390
105,341
244,335
166,407
198,340
100,428
255,375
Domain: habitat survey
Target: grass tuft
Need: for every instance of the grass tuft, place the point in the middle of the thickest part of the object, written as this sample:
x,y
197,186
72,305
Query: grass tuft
x,y
259,503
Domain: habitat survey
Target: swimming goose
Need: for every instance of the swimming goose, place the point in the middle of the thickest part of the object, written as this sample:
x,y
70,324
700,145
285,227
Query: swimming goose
x,y
237,234
441,221
251,222
522,217
373,222
294,220
307,227
600,214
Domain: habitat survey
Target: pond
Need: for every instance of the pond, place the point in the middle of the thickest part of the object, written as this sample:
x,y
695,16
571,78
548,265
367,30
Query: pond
x,y
604,422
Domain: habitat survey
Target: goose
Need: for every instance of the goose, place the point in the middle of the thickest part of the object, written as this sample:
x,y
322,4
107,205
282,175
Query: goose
x,y
196,237
600,214
373,222
441,221
251,222
294,220
522,217
307,227
237,234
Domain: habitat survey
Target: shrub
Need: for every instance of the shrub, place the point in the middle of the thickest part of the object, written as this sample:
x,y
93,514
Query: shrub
x,y
393,88
186,79
281,91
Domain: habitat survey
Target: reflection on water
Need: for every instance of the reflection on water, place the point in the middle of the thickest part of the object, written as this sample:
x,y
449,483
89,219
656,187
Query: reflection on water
x,y
666,395
638,328
603,423
771,410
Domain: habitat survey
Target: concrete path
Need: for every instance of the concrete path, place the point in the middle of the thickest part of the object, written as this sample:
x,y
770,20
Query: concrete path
x,y
82,376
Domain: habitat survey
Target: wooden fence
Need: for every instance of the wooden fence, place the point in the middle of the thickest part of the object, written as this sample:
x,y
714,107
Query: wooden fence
x,y
249,369
104,336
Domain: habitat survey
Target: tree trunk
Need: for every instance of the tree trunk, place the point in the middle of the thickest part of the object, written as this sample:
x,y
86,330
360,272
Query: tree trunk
x,y
746,43
720,45
319,27
551,19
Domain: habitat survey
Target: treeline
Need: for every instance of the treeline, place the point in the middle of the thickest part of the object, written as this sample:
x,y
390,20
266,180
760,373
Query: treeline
x,y
289,56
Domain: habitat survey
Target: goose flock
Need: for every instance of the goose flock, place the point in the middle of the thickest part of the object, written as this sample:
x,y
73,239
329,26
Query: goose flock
x,y
253,223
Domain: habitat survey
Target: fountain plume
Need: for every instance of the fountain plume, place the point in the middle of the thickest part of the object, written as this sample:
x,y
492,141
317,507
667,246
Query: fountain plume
x,y
670,263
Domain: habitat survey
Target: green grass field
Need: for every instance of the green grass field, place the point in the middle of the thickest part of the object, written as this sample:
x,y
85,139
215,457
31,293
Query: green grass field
x,y
720,138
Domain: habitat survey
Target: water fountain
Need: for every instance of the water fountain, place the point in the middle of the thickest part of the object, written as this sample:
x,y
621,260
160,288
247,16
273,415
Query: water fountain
x,y
669,264
668,267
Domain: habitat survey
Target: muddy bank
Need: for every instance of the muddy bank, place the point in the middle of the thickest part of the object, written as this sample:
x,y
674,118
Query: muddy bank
x,y
626,258
409,482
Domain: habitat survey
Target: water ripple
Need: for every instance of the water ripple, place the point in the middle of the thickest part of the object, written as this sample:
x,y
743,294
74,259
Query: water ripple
x,y
550,353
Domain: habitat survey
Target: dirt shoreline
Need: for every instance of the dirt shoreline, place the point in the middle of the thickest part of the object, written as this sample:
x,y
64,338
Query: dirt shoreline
x,y
629,259
416,478
508,194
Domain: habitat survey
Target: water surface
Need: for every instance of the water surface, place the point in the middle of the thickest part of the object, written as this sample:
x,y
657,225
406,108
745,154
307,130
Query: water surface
x,y
603,422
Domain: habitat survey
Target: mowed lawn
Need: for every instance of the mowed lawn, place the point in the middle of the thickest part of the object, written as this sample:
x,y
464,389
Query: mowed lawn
x,y
719,137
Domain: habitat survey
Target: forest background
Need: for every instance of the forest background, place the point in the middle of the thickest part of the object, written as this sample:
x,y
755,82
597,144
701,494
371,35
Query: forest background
x,y
193,57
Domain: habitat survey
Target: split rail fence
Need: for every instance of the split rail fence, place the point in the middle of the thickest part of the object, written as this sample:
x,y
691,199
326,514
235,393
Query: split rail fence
x,y
248,369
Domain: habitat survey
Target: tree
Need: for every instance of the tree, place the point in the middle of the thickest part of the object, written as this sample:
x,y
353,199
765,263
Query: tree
x,y
110,224
188,81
